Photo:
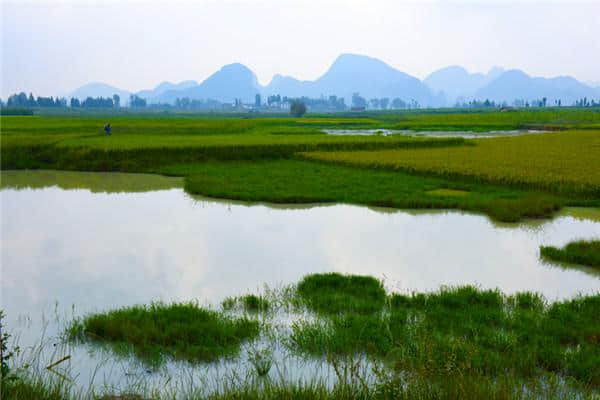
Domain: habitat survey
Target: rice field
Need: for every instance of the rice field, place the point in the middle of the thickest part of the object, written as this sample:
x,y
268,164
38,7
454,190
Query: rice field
x,y
560,162
531,175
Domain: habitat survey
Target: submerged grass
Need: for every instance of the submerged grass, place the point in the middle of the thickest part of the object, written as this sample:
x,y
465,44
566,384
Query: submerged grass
x,y
457,342
464,331
584,252
180,330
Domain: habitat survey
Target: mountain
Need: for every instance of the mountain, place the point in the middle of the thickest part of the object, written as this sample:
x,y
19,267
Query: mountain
x,y
153,95
456,82
371,78
287,86
233,81
352,73
99,89
516,84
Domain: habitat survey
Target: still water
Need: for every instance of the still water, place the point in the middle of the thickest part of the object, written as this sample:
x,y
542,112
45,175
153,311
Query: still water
x,y
74,243
435,134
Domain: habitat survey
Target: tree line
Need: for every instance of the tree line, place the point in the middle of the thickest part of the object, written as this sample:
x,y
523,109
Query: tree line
x,y
21,100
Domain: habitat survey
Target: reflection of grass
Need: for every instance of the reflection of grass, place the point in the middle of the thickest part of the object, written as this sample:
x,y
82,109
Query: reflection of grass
x,y
580,252
183,331
106,182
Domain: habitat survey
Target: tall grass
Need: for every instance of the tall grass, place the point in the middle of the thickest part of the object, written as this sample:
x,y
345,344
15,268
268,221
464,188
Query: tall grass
x,y
562,162
180,330
582,252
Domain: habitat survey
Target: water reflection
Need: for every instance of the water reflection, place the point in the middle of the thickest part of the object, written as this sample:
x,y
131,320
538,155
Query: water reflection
x,y
434,134
102,248
96,182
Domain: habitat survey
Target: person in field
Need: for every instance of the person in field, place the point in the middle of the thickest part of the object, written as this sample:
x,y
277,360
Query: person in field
x,y
107,128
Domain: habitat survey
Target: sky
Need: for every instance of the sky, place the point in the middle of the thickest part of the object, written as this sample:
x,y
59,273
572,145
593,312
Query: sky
x,y
51,47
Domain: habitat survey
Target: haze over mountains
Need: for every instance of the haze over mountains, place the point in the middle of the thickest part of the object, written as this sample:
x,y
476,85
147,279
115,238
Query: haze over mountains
x,y
370,77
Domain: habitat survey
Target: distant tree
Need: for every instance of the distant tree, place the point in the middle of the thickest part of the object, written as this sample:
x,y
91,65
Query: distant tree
x,y
374,103
398,103
384,102
297,108
75,102
116,100
358,100
98,102
136,102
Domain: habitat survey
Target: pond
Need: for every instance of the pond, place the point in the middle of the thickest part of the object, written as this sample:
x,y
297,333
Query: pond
x,y
435,134
74,243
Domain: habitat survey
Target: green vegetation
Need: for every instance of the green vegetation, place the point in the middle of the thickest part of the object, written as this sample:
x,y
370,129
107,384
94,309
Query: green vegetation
x,y
96,182
255,303
333,293
182,331
293,181
460,331
253,158
457,342
580,252
560,162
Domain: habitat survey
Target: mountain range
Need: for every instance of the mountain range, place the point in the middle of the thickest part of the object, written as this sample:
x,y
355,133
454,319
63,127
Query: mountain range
x,y
372,78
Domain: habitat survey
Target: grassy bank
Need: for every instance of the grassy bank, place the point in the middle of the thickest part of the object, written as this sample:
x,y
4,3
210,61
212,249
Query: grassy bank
x,y
256,159
294,181
580,252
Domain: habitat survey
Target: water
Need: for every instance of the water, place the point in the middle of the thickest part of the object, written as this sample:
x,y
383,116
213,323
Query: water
x,y
435,134
78,242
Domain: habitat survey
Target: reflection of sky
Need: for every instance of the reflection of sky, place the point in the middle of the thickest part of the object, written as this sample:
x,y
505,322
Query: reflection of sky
x,y
99,251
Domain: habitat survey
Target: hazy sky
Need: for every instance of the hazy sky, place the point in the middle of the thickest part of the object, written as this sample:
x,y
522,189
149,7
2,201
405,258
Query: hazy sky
x,y
52,47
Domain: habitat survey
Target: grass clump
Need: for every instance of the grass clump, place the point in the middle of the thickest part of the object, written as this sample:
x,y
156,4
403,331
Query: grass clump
x,y
334,293
180,330
255,303
249,302
462,331
582,252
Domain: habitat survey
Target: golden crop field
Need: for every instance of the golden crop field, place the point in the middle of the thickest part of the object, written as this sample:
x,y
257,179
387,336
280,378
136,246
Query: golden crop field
x,y
564,162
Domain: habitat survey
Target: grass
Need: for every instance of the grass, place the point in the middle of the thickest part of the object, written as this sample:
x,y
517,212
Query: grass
x,y
249,303
180,330
257,158
294,181
464,331
457,342
34,389
333,293
580,252
560,162
390,389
